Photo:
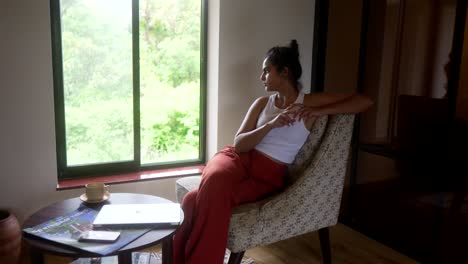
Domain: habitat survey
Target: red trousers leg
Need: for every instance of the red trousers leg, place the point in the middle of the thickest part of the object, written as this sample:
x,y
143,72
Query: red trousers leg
x,y
183,233
228,180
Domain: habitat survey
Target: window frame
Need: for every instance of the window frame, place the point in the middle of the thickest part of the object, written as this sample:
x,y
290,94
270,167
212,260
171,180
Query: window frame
x,y
112,168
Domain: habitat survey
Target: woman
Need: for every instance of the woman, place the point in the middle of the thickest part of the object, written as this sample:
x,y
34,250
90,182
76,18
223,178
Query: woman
x,y
274,129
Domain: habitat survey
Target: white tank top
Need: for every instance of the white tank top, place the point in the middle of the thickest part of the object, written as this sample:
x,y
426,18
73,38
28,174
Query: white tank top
x,y
281,143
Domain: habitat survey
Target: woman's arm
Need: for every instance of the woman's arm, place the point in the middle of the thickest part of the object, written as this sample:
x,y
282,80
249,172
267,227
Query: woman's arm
x,y
249,135
331,103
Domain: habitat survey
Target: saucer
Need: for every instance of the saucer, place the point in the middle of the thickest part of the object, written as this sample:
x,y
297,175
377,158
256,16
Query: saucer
x,y
85,199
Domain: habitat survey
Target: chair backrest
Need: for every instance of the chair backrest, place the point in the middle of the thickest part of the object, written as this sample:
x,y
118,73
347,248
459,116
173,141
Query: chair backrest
x,y
308,150
313,200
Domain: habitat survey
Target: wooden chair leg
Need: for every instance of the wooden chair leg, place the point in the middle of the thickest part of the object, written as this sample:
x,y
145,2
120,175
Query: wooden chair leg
x,y
236,258
324,237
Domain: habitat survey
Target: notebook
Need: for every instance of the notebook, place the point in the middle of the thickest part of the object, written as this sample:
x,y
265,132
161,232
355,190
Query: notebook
x,y
136,215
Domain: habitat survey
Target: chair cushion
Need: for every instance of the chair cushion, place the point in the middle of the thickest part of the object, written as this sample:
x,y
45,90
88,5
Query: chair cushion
x,y
307,151
185,185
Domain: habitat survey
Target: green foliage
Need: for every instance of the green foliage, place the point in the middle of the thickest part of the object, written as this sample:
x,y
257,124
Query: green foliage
x,y
159,107
179,132
177,63
98,80
100,132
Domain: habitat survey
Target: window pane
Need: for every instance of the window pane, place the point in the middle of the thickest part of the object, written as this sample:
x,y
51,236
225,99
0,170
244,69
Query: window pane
x,y
97,76
170,79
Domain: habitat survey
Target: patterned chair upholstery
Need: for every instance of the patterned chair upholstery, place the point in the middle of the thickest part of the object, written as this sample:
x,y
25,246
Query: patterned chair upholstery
x,y
310,201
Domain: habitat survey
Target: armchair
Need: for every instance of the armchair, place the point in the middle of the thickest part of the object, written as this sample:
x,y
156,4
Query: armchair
x,y
309,202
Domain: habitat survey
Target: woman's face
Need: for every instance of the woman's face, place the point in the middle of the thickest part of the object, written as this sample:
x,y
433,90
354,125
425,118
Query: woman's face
x,y
270,77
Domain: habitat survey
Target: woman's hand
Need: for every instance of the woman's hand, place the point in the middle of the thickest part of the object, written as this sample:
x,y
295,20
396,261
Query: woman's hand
x,y
302,112
285,118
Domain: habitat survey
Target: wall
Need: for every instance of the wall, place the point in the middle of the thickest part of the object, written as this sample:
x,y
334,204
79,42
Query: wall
x,y
27,137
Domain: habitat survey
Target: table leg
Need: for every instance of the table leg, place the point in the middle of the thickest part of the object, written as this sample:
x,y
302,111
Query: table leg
x,y
37,257
167,250
125,258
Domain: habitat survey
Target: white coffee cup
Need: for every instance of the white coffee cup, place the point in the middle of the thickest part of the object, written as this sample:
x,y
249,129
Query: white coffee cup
x,y
95,191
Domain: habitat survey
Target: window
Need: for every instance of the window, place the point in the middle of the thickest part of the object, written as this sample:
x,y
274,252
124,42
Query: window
x,y
129,84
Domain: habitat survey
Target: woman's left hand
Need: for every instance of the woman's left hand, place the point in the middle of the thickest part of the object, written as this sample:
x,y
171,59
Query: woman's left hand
x,y
302,112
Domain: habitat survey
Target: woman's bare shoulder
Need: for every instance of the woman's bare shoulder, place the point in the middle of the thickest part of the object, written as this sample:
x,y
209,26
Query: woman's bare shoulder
x,y
260,101
257,106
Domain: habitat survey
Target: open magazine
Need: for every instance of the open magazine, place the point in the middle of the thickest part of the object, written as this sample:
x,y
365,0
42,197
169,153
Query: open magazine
x,y
67,229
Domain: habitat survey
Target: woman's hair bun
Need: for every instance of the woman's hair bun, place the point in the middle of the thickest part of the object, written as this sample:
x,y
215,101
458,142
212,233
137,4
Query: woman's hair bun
x,y
294,47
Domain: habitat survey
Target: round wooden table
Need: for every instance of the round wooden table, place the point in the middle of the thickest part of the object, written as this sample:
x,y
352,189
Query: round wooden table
x,y
40,246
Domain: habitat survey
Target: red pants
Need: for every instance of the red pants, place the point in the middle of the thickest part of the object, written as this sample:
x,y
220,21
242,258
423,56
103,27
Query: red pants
x,y
229,179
